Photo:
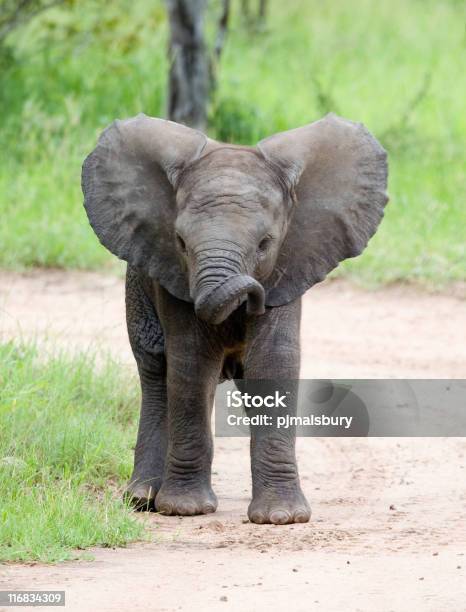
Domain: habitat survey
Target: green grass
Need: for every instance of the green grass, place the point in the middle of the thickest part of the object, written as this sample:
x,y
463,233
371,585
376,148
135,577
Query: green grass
x,y
397,66
65,450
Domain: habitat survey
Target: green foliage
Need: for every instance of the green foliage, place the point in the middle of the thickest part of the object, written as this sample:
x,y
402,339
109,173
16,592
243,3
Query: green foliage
x,y
398,67
233,120
14,13
65,449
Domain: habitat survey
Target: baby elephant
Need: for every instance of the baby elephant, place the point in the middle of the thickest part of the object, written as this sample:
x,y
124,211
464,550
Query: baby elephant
x,y
221,243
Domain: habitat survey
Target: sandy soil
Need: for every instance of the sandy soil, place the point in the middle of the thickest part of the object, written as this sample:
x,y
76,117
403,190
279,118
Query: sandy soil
x,y
346,332
389,515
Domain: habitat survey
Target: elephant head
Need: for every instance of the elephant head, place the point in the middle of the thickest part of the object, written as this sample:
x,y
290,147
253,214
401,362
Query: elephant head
x,y
220,225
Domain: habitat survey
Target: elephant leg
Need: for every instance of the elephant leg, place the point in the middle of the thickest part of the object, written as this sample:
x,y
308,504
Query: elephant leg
x,y
193,369
273,353
151,444
146,338
186,488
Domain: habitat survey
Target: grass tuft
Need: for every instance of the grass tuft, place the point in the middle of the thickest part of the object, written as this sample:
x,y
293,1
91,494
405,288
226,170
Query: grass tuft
x,y
67,430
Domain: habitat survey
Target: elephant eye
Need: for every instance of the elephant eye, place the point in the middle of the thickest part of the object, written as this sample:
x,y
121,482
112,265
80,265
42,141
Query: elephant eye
x,y
181,243
264,243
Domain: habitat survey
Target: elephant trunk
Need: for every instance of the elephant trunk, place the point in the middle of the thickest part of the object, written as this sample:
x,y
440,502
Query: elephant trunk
x,y
220,287
215,304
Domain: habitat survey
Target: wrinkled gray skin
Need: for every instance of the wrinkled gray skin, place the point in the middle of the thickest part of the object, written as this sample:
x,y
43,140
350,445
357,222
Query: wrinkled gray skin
x,y
221,243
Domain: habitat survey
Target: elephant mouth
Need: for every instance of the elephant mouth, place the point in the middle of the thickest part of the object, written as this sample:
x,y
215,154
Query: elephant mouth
x,y
215,304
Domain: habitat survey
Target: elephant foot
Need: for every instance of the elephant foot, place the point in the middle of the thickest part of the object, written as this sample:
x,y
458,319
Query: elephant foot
x,y
175,500
140,493
279,507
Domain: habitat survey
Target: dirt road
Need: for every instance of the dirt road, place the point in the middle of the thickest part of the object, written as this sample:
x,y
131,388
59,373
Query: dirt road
x,y
389,515
346,332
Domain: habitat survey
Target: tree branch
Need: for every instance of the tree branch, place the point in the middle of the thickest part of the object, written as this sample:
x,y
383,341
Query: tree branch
x,y
222,29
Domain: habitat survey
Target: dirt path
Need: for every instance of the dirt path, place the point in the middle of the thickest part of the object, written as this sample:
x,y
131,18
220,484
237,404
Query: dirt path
x,y
346,332
389,515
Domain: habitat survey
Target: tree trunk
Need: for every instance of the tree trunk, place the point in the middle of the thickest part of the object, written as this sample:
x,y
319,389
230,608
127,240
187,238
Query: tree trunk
x,y
245,9
222,29
262,13
189,78
254,19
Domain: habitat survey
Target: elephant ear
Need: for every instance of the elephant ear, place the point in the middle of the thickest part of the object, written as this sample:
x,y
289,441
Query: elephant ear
x,y
128,185
338,172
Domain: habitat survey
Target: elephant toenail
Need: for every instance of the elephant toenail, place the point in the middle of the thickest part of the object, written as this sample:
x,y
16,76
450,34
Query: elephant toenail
x,y
257,517
280,517
302,516
165,508
187,509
